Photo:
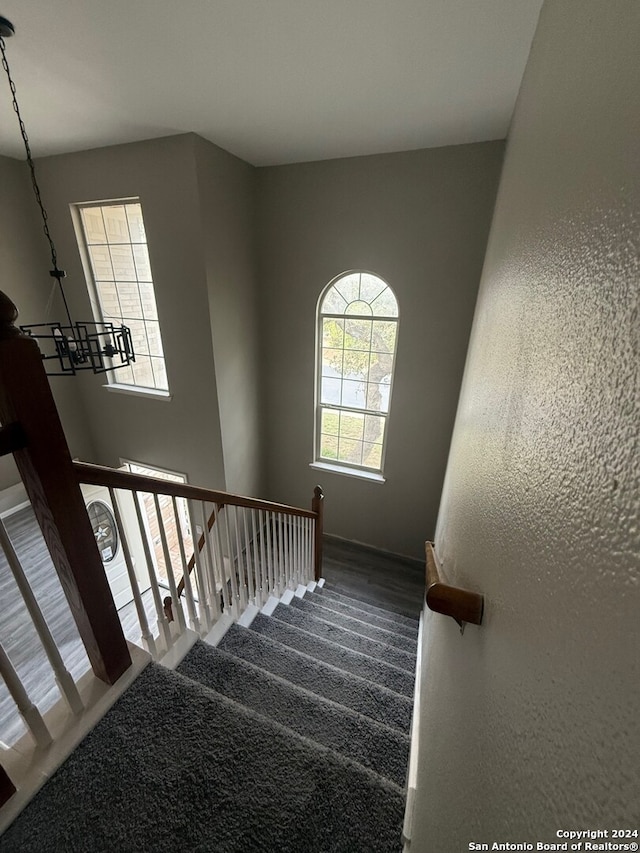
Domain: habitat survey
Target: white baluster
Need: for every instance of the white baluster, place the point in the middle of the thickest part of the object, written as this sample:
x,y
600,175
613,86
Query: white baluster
x,y
188,588
296,522
201,583
276,554
163,624
147,637
65,682
290,551
219,553
283,550
257,562
249,562
264,575
28,711
242,577
234,580
269,547
210,565
177,604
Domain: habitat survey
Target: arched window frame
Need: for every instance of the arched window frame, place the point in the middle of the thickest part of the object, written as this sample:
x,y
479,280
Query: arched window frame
x,y
353,310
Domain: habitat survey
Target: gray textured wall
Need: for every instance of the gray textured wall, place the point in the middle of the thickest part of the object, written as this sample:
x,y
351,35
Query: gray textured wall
x,y
530,723
420,220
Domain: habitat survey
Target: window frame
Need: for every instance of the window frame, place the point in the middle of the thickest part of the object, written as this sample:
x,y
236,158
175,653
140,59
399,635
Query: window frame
x,y
114,382
339,466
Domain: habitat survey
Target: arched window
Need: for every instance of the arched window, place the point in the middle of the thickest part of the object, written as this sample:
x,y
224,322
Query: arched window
x,y
357,337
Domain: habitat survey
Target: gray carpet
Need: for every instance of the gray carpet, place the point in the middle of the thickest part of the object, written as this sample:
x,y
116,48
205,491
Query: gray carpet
x,y
286,738
367,629
374,669
175,766
347,638
348,689
333,606
378,747
330,591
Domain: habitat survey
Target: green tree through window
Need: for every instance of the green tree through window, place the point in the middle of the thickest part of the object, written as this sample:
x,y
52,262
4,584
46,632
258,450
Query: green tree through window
x,y
357,337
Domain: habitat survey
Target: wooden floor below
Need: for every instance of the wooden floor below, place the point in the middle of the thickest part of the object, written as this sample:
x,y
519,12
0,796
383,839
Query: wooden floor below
x,y
396,583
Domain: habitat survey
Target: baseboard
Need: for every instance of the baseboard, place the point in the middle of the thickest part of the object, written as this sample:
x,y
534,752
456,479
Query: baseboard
x,y
181,647
412,772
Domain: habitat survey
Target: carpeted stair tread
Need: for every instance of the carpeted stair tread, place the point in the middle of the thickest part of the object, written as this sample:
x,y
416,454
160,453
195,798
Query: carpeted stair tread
x,y
346,637
383,635
380,748
361,695
396,679
347,597
355,612
176,766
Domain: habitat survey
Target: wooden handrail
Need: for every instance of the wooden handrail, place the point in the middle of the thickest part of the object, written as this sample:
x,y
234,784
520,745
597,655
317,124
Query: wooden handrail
x,y
99,475
461,604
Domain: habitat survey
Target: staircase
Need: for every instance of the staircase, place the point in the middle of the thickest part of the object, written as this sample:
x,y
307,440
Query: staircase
x,y
291,735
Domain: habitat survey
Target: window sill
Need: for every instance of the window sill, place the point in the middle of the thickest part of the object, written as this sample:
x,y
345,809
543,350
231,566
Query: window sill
x,y
371,476
151,393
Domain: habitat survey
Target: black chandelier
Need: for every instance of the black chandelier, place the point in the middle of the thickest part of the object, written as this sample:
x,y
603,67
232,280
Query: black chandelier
x,y
75,345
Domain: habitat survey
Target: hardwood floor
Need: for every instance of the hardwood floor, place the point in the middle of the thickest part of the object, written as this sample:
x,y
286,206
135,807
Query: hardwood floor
x,y
396,583
19,637
383,579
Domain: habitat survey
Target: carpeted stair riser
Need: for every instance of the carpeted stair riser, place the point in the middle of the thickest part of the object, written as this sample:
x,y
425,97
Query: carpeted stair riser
x,y
333,593
176,766
378,747
382,635
367,698
346,638
398,680
334,606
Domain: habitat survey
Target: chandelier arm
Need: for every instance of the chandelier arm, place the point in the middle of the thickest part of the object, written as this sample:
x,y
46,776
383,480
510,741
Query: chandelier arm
x,y
27,148
80,345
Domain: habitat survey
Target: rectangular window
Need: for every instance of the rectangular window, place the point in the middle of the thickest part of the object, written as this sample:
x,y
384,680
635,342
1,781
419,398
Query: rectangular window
x,y
114,246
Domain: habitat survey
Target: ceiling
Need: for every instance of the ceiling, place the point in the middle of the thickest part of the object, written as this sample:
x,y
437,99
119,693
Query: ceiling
x,y
272,81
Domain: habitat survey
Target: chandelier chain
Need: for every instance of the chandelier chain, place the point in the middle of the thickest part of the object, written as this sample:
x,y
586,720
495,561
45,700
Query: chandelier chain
x,y
32,168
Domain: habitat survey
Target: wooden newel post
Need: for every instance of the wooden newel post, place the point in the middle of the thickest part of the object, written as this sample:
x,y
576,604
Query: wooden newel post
x,y
45,465
317,505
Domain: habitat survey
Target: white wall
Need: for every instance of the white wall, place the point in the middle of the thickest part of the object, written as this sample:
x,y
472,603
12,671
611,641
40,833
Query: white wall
x,y
25,263
420,220
530,722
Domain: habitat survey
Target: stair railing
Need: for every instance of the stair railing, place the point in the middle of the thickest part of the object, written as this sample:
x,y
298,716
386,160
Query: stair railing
x,y
241,551
253,548
32,432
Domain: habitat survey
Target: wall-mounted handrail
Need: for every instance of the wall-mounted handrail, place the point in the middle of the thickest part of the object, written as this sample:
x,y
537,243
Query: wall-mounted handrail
x,y
99,475
461,604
